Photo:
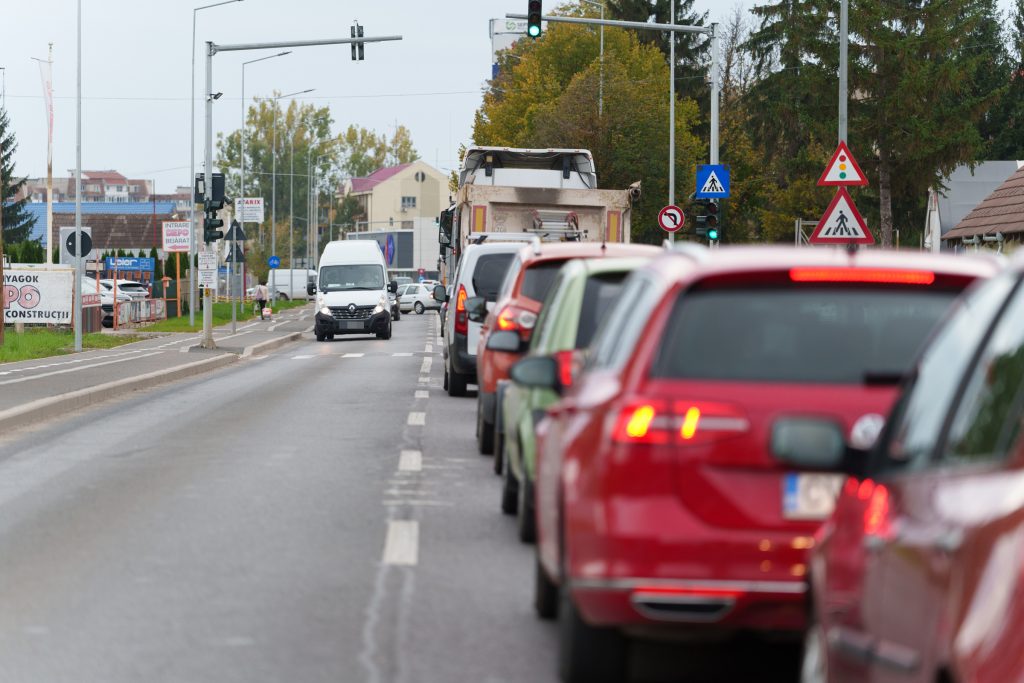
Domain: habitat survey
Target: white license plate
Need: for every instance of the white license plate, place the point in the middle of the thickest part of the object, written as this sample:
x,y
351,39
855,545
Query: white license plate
x,y
354,324
810,495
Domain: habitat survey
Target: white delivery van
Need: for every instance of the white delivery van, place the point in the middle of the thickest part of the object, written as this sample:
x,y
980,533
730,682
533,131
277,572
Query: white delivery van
x,y
290,283
352,291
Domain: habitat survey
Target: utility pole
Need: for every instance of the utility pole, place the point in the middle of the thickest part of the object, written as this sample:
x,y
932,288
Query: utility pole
x,y
672,113
211,50
78,195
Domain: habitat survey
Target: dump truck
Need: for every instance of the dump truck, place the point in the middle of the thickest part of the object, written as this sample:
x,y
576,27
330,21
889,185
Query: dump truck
x,y
508,193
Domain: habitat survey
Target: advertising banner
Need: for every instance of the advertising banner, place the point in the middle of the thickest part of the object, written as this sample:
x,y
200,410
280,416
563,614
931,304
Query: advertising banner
x,y
141,264
250,209
35,296
177,236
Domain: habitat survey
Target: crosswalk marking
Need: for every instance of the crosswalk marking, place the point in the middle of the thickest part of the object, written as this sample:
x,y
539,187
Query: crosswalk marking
x,y
410,461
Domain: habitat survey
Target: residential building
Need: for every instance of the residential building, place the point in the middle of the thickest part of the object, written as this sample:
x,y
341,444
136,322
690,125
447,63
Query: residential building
x,y
97,186
998,219
115,225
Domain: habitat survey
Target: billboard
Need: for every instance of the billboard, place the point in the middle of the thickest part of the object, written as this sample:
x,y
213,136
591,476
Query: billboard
x,y
177,236
396,245
37,296
504,34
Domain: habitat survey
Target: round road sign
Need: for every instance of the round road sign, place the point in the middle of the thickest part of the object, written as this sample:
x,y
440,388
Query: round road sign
x,y
671,218
86,244
274,261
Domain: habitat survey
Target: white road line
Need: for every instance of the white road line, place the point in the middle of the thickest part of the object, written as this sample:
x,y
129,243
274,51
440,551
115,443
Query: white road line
x,y
230,336
425,368
429,348
353,355
420,503
422,394
417,419
401,547
402,355
424,379
302,357
76,369
410,461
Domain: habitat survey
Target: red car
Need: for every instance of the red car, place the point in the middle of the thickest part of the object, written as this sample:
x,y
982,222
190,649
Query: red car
x,y
529,278
660,507
918,577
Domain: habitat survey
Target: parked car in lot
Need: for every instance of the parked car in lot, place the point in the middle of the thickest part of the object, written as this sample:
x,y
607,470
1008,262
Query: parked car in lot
x,y
660,506
136,290
480,273
579,297
919,574
520,300
417,297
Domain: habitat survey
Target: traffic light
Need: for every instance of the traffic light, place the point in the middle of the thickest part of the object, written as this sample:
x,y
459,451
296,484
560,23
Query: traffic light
x,y
533,14
711,221
698,214
357,48
211,222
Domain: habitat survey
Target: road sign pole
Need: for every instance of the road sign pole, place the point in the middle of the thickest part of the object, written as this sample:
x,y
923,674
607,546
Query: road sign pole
x,y
716,91
844,39
672,114
208,342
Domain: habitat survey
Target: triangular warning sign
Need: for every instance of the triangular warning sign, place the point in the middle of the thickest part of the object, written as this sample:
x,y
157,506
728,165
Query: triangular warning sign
x,y
712,185
843,169
842,223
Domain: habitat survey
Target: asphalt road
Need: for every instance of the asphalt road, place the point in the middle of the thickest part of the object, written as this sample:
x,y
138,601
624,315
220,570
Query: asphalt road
x,y
316,514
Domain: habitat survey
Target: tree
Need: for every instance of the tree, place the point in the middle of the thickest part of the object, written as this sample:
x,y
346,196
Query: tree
x,y
1006,141
17,223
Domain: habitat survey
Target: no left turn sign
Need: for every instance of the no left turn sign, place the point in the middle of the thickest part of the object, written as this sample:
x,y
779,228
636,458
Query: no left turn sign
x,y
671,218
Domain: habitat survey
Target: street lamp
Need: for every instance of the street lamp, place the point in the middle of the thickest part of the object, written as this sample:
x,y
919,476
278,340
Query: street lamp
x,y
600,87
241,216
192,169
313,240
273,191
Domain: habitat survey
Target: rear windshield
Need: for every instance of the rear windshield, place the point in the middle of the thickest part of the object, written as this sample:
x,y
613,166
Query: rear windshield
x,y
537,280
797,335
598,295
489,273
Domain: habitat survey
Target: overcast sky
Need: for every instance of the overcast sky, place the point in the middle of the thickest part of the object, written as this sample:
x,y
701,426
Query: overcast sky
x,y
135,73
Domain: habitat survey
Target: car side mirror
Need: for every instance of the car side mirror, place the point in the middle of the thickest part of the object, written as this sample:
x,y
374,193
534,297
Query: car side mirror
x,y
476,308
504,340
310,289
440,295
393,286
809,443
538,372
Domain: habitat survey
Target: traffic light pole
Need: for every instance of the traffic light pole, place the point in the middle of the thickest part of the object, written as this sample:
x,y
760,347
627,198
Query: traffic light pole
x,y
211,50
716,81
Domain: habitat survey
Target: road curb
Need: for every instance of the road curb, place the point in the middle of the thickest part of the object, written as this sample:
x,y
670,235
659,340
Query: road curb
x,y
51,406
270,344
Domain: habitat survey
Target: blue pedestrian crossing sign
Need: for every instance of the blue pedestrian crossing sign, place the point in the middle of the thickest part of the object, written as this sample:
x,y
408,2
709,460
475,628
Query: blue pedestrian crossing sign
x,y
274,262
712,181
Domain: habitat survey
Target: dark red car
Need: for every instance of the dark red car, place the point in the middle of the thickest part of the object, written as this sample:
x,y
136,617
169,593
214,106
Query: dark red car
x,y
660,507
918,576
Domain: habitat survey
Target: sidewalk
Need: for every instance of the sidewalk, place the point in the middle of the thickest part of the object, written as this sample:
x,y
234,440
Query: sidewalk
x,y
37,389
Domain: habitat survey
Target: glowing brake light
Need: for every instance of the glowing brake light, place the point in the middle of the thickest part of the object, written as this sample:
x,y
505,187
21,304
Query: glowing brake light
x,y
461,316
876,514
893,276
566,367
639,422
683,423
690,421
515,319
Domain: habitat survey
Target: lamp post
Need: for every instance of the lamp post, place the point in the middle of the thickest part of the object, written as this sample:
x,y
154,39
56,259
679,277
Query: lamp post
x,y
192,168
273,192
241,214
313,242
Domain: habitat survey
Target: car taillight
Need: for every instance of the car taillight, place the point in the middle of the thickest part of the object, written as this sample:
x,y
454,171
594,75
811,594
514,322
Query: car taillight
x,y
896,276
683,423
876,509
568,364
461,316
515,319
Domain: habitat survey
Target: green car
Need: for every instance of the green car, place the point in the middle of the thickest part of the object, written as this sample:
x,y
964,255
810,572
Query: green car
x,y
576,302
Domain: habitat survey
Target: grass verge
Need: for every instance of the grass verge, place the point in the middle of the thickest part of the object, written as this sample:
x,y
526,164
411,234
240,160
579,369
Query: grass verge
x,y
221,316
40,343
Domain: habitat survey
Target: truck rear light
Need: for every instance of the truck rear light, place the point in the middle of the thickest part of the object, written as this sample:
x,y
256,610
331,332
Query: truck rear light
x,y
894,276
461,316
686,423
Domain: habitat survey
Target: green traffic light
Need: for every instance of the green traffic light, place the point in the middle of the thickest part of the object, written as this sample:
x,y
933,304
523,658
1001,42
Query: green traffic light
x,y
534,31
712,234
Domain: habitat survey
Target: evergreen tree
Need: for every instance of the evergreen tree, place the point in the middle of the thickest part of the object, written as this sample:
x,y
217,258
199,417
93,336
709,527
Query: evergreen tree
x,y
17,222
1005,141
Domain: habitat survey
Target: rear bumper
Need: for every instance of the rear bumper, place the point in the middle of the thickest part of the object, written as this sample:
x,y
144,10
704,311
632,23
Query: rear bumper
x,y
492,367
326,324
459,358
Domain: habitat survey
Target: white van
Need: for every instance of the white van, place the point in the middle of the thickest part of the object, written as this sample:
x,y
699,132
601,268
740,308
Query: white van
x,y
290,283
352,291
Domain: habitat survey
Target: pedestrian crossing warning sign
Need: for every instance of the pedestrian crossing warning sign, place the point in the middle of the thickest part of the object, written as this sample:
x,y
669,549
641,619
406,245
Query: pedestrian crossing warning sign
x,y
842,223
712,181
843,169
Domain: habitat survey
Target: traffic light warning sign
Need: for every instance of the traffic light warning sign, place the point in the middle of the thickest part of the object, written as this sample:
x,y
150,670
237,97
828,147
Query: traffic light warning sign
x,y
842,223
842,170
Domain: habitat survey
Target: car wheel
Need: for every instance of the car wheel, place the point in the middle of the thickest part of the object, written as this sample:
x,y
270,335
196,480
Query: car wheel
x,y
419,308
398,314
814,667
526,525
588,654
484,432
457,383
283,297
545,592
330,337
445,385
386,334
509,489
321,337
499,451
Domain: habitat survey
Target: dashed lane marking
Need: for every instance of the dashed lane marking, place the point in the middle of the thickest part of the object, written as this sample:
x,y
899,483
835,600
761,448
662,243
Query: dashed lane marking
x,y
410,461
425,368
422,394
401,547
402,355
353,355
429,348
302,357
417,419
41,375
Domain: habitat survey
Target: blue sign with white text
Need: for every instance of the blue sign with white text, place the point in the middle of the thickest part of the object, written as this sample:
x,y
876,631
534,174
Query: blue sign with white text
x,y
143,265
274,262
712,181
